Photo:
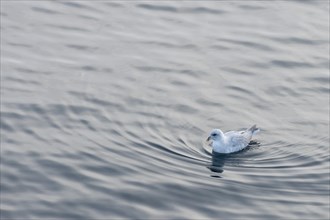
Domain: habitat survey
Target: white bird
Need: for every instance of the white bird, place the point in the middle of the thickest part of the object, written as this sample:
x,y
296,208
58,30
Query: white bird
x,y
231,141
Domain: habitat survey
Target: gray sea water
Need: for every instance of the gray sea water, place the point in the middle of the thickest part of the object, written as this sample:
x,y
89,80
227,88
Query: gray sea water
x,y
105,106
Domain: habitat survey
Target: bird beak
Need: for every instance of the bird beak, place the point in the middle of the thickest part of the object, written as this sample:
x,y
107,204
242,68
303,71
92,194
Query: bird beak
x,y
208,138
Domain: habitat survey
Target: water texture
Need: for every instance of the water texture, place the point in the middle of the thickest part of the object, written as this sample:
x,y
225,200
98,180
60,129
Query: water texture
x,y
105,106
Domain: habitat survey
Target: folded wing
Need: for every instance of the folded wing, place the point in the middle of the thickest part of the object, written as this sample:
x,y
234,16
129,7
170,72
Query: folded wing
x,y
239,140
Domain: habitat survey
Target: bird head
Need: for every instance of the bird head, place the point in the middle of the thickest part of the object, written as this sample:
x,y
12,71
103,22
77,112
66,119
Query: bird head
x,y
216,134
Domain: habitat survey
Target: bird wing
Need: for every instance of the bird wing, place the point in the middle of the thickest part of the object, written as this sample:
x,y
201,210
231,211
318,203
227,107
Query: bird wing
x,y
238,140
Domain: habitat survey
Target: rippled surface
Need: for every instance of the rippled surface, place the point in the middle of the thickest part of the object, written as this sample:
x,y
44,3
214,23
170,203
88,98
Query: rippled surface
x,y
105,106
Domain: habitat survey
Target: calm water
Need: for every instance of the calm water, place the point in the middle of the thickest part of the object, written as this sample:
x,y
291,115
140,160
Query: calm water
x,y
105,106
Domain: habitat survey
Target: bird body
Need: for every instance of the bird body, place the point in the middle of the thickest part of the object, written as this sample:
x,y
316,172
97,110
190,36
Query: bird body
x,y
231,141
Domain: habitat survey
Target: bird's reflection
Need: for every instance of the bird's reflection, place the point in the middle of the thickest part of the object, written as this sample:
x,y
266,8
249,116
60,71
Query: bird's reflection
x,y
219,160
218,163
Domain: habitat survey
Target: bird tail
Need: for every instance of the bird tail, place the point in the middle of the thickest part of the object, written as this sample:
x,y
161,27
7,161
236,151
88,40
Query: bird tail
x,y
254,130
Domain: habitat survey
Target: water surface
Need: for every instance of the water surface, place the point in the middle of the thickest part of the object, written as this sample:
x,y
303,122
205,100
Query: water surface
x,y
105,106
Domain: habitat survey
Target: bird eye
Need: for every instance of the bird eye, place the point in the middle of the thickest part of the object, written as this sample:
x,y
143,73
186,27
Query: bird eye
x,y
214,134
